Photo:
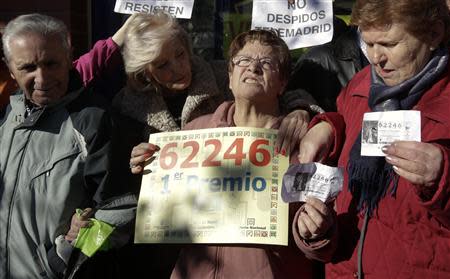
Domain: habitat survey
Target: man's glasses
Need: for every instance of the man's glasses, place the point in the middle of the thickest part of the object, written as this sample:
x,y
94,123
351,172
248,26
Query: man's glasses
x,y
245,61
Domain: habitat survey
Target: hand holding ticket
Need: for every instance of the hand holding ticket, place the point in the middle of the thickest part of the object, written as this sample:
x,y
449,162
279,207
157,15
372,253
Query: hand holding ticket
x,y
313,179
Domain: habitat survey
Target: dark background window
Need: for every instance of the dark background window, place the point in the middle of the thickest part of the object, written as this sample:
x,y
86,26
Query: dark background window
x,y
213,24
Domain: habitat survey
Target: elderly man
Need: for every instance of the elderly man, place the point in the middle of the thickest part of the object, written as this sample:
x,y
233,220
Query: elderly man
x,y
54,148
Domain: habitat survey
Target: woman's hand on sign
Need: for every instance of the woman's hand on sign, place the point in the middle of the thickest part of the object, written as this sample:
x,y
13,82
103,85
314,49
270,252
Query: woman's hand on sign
x,y
292,129
140,155
316,143
418,162
315,219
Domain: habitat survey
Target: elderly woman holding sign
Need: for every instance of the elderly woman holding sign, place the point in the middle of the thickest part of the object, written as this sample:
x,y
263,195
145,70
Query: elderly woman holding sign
x,y
258,69
398,205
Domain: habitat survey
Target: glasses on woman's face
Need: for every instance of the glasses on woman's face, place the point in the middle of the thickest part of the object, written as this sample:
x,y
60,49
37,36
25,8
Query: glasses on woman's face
x,y
265,62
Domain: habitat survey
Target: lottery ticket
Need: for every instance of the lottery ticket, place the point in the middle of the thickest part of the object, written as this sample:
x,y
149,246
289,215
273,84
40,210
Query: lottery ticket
x,y
383,128
311,180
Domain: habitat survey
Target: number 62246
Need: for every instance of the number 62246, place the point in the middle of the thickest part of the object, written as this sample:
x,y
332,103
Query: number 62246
x,y
258,153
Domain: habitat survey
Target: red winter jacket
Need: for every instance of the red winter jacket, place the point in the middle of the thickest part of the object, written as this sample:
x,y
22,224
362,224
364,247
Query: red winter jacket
x,y
409,237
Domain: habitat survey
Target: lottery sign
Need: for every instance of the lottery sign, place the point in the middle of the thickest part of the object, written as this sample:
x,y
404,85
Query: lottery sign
x,y
213,186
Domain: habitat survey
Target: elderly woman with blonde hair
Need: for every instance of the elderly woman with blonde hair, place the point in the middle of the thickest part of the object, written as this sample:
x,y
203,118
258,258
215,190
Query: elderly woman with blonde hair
x,y
393,216
168,86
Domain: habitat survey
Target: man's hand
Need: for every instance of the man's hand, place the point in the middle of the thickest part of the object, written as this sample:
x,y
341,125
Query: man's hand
x,y
78,222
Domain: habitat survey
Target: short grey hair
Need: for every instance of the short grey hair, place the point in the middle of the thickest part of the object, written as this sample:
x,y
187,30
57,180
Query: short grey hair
x,y
143,44
39,24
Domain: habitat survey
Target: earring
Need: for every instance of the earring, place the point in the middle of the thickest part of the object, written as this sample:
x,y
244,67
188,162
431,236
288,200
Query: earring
x,y
432,48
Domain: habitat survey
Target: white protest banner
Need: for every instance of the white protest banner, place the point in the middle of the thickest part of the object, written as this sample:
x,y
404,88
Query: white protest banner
x,y
177,8
214,186
301,24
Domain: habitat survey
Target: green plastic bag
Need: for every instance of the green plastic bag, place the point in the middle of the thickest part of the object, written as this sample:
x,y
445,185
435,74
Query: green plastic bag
x,y
94,238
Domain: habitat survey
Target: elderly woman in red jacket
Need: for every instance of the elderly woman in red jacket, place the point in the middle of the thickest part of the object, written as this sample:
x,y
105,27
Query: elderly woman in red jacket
x,y
393,216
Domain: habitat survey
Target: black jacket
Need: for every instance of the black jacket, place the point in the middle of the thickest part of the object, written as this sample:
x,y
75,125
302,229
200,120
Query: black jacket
x,y
324,70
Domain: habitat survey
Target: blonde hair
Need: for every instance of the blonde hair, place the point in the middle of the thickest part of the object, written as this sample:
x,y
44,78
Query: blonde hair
x,y
143,44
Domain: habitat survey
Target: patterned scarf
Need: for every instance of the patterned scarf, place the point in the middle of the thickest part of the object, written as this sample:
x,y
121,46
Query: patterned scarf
x,y
370,177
